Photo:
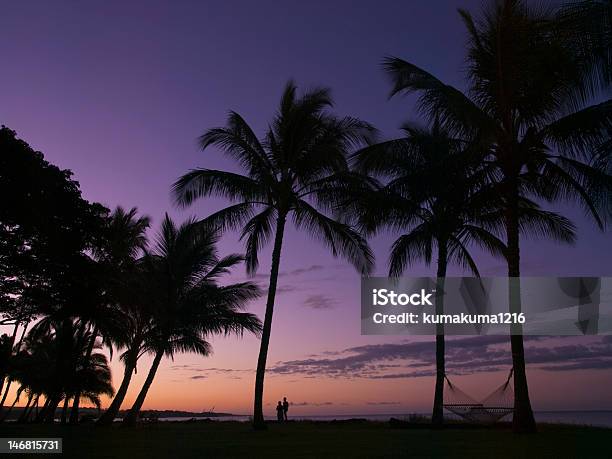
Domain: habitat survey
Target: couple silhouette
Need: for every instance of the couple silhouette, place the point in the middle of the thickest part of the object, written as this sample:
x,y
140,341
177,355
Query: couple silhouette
x,y
281,410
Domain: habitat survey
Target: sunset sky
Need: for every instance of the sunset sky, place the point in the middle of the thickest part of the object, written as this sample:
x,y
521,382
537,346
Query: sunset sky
x,y
118,93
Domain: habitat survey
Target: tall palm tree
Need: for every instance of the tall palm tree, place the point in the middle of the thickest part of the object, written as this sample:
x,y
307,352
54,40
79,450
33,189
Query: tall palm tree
x,y
293,170
188,303
435,194
528,99
123,238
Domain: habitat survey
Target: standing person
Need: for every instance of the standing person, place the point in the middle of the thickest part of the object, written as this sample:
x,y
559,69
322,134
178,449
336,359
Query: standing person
x,y
285,407
279,412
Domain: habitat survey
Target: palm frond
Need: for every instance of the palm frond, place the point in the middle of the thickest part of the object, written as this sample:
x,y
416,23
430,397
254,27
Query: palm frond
x,y
340,238
239,141
257,231
455,110
580,134
199,183
409,248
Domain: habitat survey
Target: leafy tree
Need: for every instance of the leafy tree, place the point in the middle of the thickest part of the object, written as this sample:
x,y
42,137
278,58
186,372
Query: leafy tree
x,y
293,170
46,227
527,99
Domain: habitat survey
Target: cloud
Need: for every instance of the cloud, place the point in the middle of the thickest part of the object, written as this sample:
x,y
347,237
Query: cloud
x,y
285,285
382,403
207,371
319,302
464,356
300,271
228,370
293,272
311,403
286,288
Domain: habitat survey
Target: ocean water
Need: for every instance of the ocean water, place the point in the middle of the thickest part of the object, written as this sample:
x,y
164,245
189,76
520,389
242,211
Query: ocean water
x,y
592,418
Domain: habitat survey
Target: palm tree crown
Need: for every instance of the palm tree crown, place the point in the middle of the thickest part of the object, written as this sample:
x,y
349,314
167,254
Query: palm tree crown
x,y
294,168
436,191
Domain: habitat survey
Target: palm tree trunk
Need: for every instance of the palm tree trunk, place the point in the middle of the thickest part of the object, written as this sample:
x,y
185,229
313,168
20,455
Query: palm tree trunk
x,y
6,391
523,420
47,413
132,416
111,413
40,414
65,410
74,413
51,409
437,416
34,409
26,409
258,418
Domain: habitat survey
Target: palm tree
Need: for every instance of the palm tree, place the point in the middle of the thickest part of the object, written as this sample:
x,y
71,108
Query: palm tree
x,y
33,367
293,170
188,303
122,239
92,375
524,79
56,364
435,194
132,334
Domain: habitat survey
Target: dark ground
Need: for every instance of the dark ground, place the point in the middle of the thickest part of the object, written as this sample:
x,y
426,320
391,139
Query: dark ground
x,y
316,440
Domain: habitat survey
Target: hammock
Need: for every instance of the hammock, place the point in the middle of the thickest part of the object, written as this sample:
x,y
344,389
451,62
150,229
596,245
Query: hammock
x,y
497,405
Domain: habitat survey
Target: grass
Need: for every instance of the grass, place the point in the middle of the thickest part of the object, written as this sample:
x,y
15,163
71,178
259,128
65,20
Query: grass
x,y
315,440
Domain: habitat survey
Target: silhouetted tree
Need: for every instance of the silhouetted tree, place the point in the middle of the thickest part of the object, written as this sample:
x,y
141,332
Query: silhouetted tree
x,y
54,363
133,332
528,99
438,192
122,239
46,227
292,170
188,304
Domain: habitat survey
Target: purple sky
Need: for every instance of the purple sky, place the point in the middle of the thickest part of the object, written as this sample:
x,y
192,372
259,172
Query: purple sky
x,y
119,91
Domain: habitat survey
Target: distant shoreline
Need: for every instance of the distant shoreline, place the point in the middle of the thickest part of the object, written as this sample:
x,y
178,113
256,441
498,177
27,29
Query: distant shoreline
x,y
594,418
147,414
180,414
